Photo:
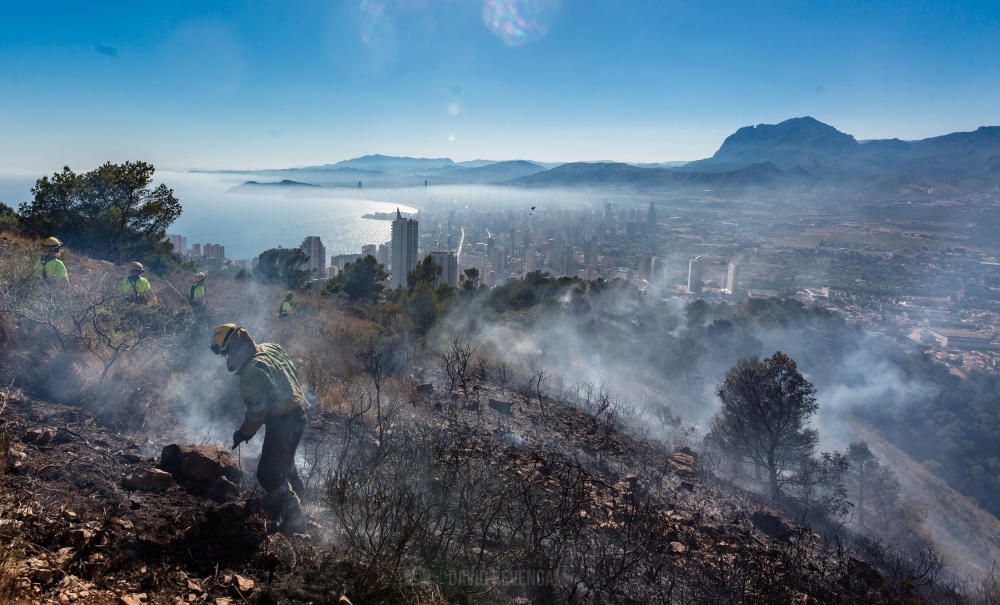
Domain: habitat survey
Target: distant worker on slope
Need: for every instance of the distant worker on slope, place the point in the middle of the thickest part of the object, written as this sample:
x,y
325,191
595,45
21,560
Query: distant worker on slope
x,y
49,267
270,388
286,305
135,287
196,294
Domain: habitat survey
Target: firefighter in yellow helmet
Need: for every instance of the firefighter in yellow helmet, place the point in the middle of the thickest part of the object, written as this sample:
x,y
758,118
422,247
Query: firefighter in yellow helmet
x,y
49,266
270,389
136,287
196,294
286,305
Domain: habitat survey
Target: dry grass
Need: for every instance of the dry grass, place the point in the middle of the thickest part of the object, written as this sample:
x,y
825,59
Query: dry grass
x,y
126,370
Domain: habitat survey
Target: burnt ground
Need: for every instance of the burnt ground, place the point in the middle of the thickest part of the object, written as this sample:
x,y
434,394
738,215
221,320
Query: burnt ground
x,y
73,533
80,536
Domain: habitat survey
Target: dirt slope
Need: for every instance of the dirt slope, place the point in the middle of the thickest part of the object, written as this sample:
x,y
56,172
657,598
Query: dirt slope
x,y
967,535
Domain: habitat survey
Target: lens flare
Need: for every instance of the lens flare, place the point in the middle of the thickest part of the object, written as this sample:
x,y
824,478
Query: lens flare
x,y
454,109
518,22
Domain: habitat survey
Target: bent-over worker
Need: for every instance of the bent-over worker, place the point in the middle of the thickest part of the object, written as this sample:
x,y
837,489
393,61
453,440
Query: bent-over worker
x,y
270,388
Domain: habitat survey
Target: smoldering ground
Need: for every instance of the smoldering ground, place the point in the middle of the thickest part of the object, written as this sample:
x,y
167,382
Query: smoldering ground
x,y
662,361
668,355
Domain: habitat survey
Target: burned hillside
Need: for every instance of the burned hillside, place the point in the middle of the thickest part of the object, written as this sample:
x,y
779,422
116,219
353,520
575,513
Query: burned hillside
x,y
434,470
550,505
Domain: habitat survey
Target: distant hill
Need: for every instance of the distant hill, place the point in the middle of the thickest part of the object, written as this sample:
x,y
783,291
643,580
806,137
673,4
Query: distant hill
x,y
823,153
959,158
326,175
285,183
807,153
496,172
803,152
798,142
480,163
609,174
323,168
659,164
388,163
475,163
330,169
388,171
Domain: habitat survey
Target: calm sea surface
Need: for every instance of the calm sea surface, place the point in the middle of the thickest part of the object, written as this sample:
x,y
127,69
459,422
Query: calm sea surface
x,y
248,223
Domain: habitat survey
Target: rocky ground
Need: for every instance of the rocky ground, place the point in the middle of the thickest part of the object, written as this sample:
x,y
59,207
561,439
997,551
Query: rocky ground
x,y
92,516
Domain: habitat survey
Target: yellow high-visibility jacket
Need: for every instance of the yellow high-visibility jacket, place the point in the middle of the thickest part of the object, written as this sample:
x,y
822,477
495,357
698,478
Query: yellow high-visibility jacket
x,y
51,268
137,289
196,295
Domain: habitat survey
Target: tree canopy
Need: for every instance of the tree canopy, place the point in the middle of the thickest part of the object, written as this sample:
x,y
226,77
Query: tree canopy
x,y
766,408
282,266
426,272
470,279
8,218
112,212
361,280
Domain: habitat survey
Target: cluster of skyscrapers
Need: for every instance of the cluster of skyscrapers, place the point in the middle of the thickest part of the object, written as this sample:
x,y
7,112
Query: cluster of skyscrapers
x,y
562,243
215,252
399,255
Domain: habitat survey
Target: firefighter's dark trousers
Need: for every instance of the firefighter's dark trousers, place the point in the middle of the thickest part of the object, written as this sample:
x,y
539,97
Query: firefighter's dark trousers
x,y
276,469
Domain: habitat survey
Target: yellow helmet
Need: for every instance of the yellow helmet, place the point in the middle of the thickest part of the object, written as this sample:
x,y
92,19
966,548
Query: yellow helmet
x,y
53,242
199,276
221,336
137,266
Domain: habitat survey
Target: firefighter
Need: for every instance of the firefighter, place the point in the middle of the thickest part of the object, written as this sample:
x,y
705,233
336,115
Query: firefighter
x,y
271,391
196,293
286,306
136,287
50,267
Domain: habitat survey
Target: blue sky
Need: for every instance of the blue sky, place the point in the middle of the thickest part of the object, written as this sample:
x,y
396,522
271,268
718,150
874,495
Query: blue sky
x,y
257,84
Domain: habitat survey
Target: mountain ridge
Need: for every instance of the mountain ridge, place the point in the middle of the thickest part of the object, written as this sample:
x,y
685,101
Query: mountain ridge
x,y
801,152
807,152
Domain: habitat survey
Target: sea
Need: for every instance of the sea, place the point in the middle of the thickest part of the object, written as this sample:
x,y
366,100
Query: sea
x,y
248,222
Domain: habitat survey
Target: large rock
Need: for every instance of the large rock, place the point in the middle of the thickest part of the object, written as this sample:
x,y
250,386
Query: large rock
x,y
37,569
203,470
684,462
148,480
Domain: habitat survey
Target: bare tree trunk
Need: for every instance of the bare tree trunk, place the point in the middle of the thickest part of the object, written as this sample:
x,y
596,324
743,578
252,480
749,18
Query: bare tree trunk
x,y
772,475
861,494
